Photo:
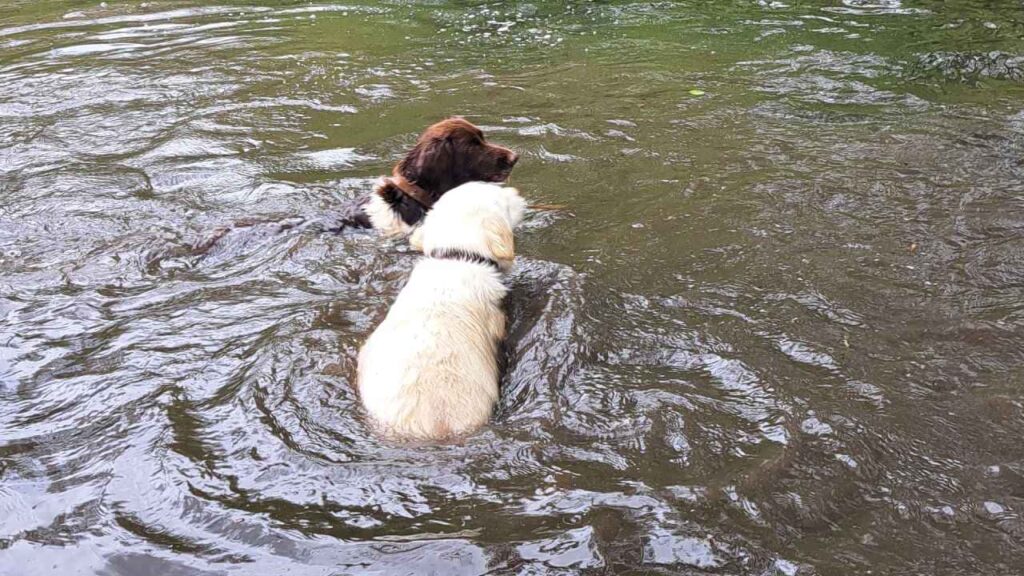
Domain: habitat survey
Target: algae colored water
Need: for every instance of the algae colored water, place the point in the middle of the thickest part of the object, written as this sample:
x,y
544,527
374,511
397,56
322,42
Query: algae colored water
x,y
776,329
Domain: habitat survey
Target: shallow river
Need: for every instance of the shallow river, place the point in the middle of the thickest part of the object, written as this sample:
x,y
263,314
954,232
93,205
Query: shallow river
x,y
778,327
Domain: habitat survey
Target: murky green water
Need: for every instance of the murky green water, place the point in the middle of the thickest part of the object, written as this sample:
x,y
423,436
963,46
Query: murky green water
x,y
777,331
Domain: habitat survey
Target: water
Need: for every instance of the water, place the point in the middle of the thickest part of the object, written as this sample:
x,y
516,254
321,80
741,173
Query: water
x,y
777,330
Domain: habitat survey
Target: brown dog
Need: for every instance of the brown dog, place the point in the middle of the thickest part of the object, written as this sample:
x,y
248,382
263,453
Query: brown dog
x,y
448,154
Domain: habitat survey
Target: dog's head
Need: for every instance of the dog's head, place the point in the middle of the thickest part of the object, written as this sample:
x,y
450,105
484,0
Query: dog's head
x,y
476,217
451,153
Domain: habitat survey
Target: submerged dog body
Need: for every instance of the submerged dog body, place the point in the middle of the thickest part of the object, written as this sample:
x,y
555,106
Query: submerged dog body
x,y
449,153
430,370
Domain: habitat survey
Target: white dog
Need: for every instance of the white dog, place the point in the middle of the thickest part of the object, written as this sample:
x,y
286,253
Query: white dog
x,y
430,370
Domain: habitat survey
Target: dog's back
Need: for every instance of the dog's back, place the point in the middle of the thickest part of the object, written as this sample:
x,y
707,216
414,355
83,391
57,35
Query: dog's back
x,y
430,370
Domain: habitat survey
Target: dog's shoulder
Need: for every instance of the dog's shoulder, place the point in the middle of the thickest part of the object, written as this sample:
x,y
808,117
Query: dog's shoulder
x,y
411,211
392,211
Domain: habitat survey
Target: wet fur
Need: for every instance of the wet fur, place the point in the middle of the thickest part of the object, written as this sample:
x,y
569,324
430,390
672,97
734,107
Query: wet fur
x,y
430,370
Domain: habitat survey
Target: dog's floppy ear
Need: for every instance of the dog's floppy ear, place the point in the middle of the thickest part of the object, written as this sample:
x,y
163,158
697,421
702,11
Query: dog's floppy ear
x,y
431,165
499,239
416,238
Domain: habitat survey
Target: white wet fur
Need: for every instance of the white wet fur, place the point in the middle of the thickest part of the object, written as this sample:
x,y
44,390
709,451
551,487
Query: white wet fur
x,y
430,370
383,217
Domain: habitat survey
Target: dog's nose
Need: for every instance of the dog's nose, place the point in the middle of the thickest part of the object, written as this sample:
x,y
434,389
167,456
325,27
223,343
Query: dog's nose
x,y
512,158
